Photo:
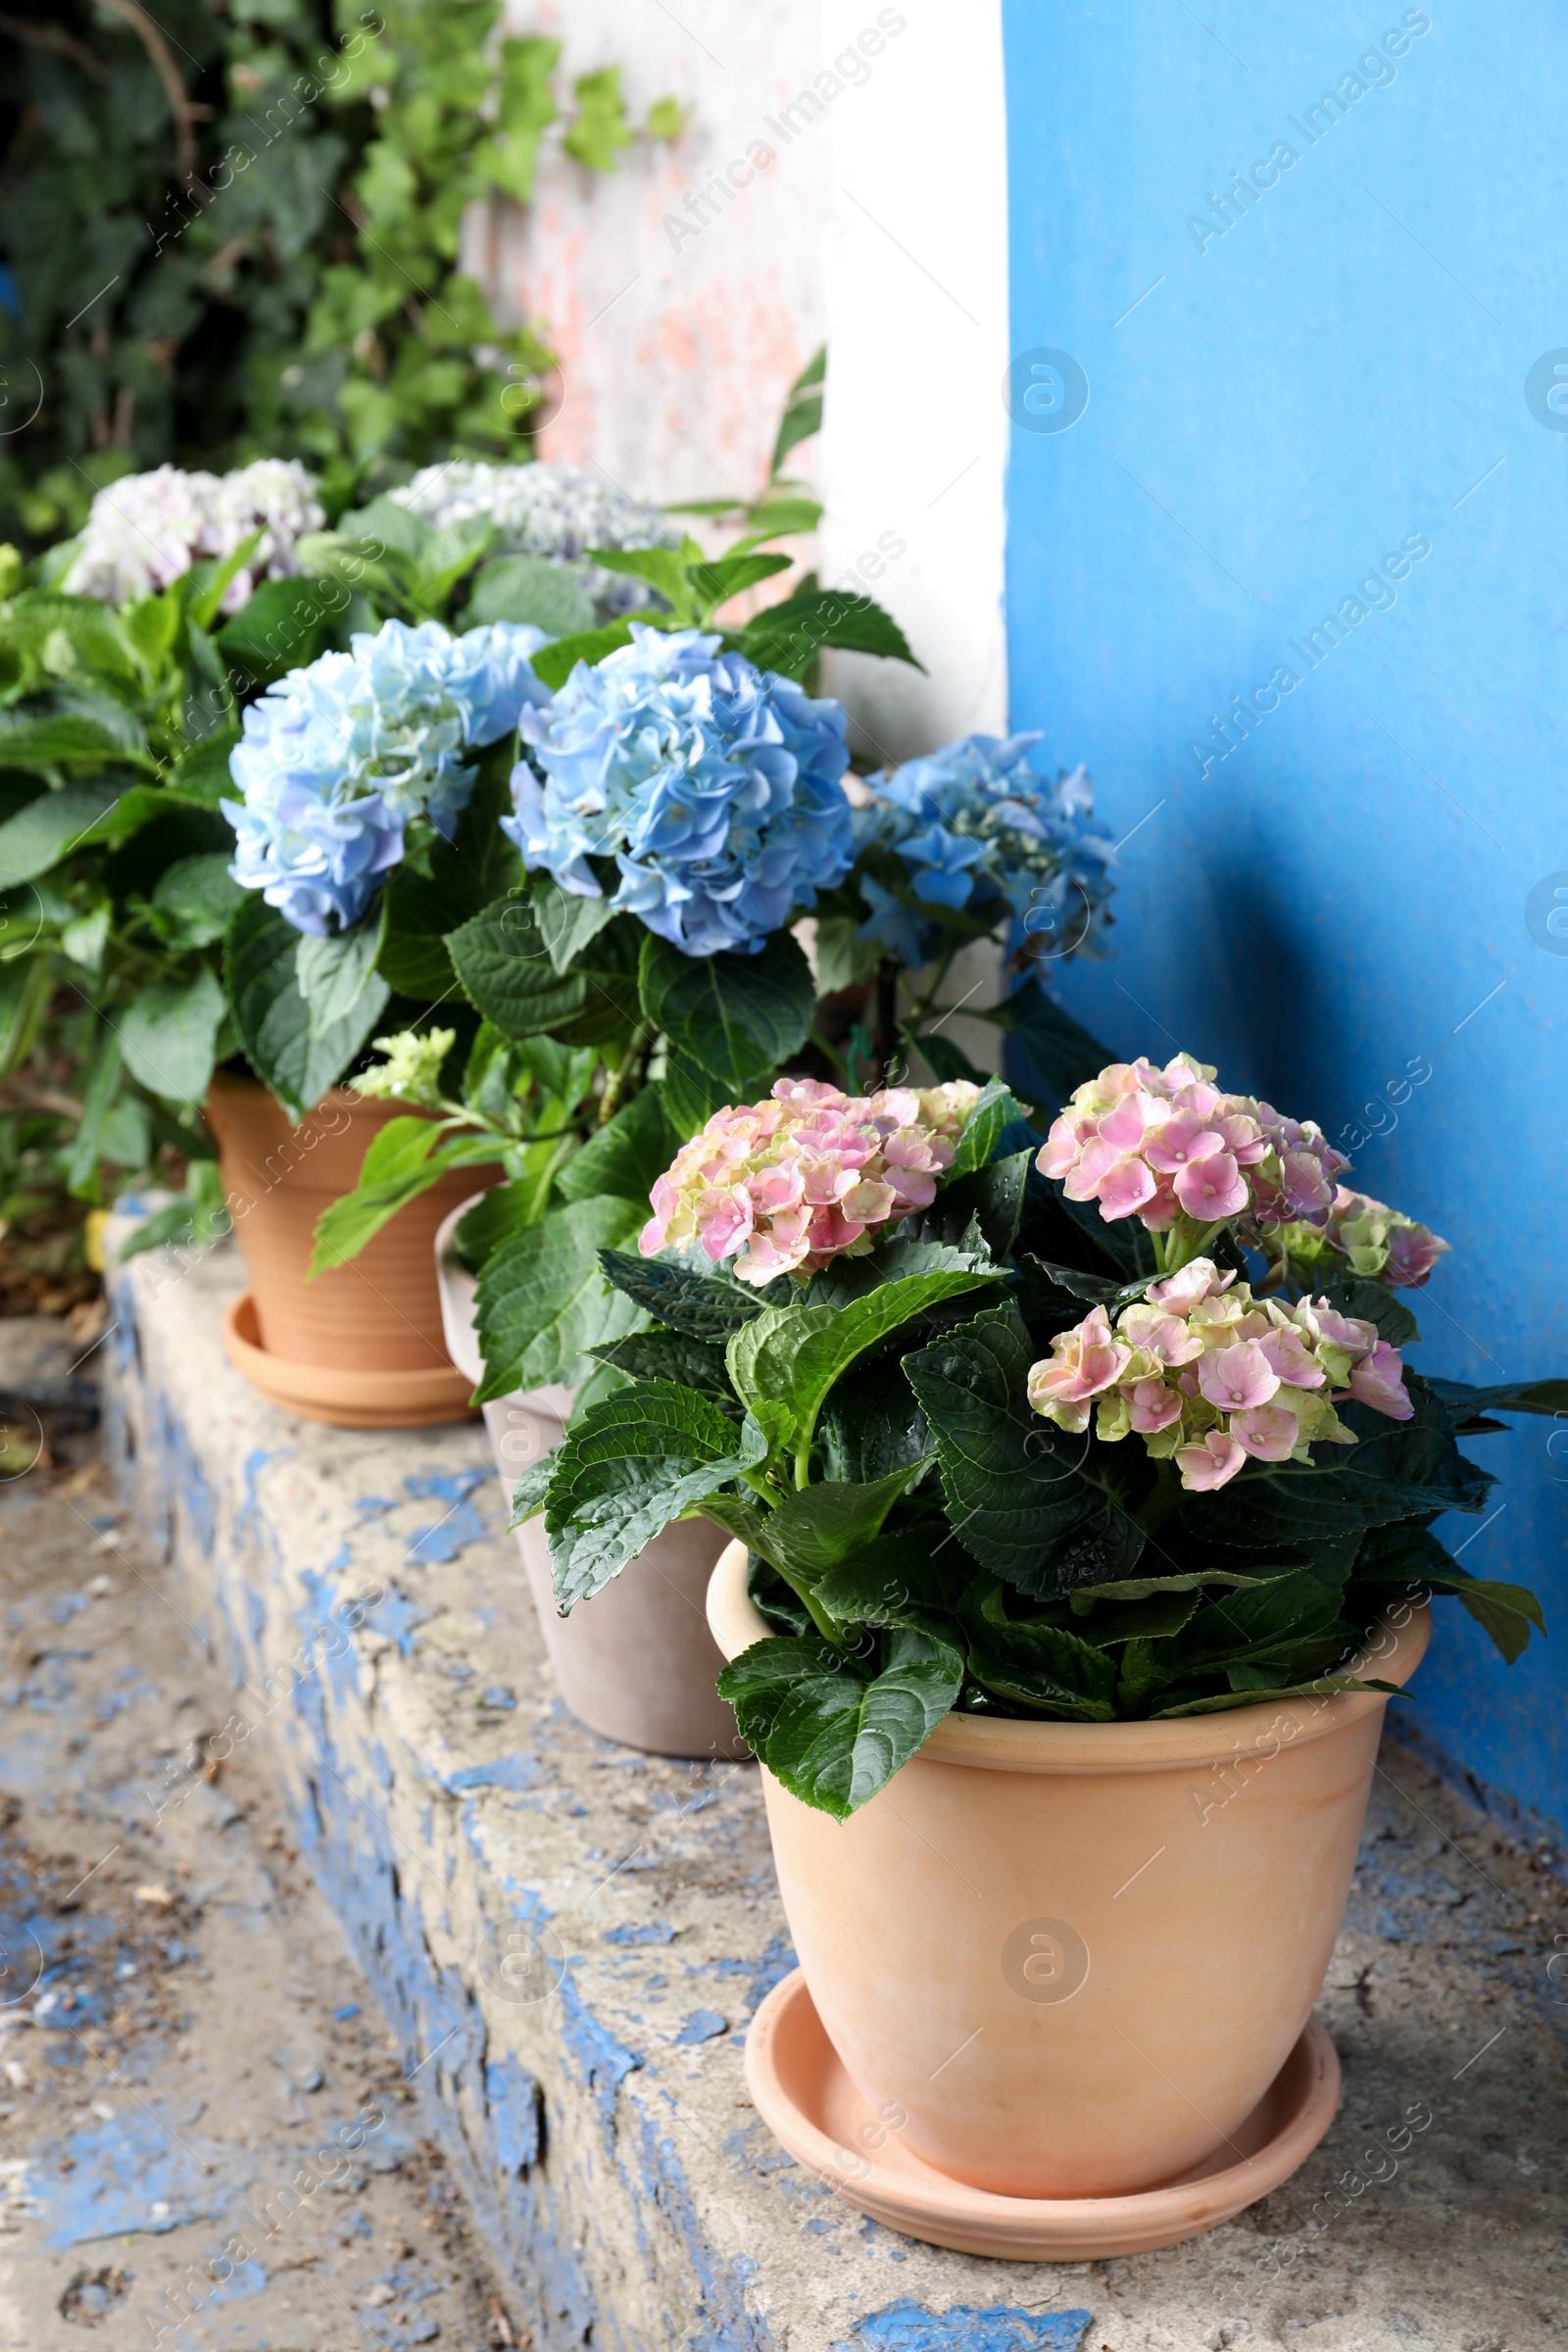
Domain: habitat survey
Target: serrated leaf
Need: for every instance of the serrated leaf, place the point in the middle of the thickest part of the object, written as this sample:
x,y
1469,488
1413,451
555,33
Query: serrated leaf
x,y
700,1305
168,1032
542,1301
1043,1667
624,1158
272,1018
1548,1396
50,827
566,924
1397,1470
1014,1486
831,1728
1374,1302
788,636
645,1456
336,972
554,663
790,1357
816,1528
669,1356
477,867
405,1159
730,1021
531,590
988,1122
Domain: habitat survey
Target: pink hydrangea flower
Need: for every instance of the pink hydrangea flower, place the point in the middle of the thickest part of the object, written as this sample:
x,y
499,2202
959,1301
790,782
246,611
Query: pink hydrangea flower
x,y
1378,1380
784,1185
1163,1144
1209,1461
1083,1362
1208,1375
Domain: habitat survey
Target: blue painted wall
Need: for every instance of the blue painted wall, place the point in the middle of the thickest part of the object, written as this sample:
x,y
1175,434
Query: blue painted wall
x,y
1335,377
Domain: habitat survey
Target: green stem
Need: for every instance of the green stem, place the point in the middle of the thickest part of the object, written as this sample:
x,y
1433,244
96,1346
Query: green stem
x,y
943,966
829,1052
609,1100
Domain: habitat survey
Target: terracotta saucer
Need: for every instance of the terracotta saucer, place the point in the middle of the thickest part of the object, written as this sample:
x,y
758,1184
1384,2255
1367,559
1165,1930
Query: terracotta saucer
x,y
809,2102
348,1399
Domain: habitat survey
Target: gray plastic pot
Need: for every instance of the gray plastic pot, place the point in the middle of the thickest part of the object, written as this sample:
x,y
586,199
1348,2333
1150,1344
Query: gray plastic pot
x,y
636,1663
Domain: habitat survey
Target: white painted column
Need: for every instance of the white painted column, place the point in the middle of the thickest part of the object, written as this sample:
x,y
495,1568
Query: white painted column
x,y
684,290
916,435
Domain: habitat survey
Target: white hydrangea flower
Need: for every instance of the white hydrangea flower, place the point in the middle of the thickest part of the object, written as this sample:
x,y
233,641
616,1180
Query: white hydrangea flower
x,y
557,512
144,531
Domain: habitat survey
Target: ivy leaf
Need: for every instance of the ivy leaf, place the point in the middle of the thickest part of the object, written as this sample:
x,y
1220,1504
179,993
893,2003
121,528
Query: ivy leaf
x,y
1015,1491
601,127
626,1156
259,962
542,1303
791,1356
644,1456
526,108
699,1304
337,976
167,1034
833,1727
730,1021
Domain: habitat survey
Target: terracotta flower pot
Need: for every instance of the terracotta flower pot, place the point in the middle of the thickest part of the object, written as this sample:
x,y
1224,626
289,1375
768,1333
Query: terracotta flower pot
x,y
636,1663
1075,1958
360,1346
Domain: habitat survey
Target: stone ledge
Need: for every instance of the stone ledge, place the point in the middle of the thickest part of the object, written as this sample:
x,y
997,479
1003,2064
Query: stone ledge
x,y
602,2131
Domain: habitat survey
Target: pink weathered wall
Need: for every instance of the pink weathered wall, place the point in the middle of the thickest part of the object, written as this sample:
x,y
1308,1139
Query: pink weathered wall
x,y
678,340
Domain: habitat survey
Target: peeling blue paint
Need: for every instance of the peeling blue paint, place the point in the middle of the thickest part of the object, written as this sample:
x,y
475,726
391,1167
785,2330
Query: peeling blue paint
x,y
657,1931
519,1772
398,1617
603,2062
512,2101
703,2024
906,2326
136,2172
775,1965
460,1525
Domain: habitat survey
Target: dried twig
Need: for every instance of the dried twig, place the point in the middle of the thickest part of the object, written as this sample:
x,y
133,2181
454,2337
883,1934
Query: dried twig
x,y
180,106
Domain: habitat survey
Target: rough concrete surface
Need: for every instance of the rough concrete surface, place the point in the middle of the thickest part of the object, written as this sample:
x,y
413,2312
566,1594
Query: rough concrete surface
x,y
569,1939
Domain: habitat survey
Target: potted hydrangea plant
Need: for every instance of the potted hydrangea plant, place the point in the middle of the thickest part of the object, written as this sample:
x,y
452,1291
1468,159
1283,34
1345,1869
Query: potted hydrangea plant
x,y
366,823
1083,1510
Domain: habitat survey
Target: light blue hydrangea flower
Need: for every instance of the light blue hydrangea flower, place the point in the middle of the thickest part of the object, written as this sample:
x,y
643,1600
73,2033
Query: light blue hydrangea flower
x,y
714,785
979,834
336,759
